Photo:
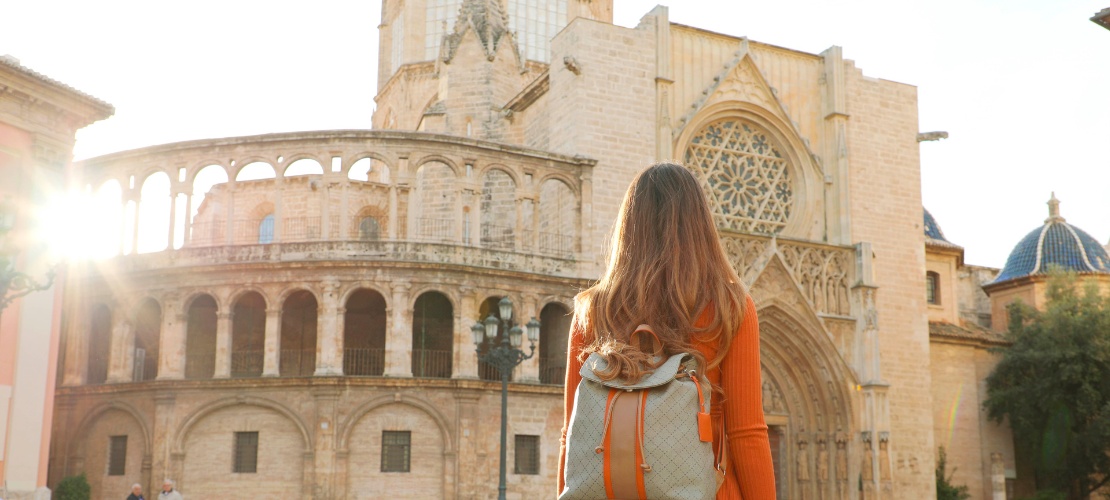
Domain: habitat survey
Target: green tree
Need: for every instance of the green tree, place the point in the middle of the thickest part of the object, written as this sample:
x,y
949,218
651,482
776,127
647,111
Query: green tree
x,y
73,488
945,489
1053,384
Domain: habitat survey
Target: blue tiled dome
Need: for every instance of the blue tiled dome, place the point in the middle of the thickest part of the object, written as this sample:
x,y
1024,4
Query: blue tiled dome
x,y
1055,244
932,230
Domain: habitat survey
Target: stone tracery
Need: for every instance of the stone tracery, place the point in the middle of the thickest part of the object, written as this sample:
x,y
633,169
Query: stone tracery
x,y
748,178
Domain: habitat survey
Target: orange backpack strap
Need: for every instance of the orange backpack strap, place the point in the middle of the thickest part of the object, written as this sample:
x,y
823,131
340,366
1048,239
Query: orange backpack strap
x,y
645,328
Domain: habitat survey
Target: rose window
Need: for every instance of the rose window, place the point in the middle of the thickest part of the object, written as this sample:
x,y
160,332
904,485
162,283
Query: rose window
x,y
747,178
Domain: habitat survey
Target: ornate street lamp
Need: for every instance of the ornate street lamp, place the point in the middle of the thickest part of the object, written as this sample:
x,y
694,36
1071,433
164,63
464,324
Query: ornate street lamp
x,y
505,354
14,285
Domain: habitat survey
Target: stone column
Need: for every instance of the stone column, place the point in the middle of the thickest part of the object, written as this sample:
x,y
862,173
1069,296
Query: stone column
x,y
171,344
122,352
529,370
518,223
223,344
466,360
279,220
162,440
324,469
77,331
392,230
188,236
173,220
272,344
398,342
135,232
123,199
229,202
344,230
329,340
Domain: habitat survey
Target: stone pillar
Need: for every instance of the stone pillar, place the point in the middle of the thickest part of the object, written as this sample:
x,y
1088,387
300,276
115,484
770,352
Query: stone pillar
x,y
466,359
329,341
398,342
123,199
173,220
171,343
121,361
162,441
529,370
272,344
279,220
223,345
77,331
344,230
392,230
324,484
188,236
518,223
135,232
229,202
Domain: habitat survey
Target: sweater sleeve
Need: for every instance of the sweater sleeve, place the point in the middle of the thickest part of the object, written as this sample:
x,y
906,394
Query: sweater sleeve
x,y
748,445
573,378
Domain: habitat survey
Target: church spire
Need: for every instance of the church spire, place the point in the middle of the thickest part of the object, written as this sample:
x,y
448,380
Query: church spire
x,y
488,20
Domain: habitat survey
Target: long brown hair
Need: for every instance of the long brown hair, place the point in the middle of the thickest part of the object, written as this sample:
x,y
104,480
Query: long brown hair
x,y
666,269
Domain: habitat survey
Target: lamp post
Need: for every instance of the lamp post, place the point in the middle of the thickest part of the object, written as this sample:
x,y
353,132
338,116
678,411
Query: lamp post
x,y
505,355
13,284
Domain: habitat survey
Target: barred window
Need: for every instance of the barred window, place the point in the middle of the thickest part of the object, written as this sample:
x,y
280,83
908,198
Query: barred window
x,y
117,455
932,287
527,454
396,451
246,452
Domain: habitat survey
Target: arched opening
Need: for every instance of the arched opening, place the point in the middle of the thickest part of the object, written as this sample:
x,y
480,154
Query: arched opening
x,y
369,170
154,213
369,229
487,371
298,335
375,452
498,210
304,166
107,205
364,334
111,446
255,171
200,338
435,196
100,343
433,326
148,328
558,229
206,223
266,230
554,332
248,335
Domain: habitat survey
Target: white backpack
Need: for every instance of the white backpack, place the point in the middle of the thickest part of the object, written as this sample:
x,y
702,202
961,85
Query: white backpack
x,y
648,439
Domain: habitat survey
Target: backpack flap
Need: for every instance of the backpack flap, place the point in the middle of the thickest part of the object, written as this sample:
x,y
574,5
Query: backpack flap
x,y
660,376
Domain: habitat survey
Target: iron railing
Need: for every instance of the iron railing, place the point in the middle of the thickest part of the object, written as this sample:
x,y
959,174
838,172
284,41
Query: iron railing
x,y
435,229
200,365
247,363
497,236
553,371
363,362
297,362
428,363
300,229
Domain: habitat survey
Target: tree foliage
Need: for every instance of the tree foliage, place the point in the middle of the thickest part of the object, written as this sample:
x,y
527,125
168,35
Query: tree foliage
x,y
1053,384
945,489
73,488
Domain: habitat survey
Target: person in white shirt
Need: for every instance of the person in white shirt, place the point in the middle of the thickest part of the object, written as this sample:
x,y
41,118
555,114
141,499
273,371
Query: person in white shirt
x,y
168,493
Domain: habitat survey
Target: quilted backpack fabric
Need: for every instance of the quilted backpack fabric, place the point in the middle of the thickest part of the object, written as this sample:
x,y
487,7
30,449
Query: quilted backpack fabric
x,y
646,440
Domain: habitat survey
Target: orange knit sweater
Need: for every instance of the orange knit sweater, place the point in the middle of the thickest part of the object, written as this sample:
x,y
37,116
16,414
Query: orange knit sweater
x,y
750,473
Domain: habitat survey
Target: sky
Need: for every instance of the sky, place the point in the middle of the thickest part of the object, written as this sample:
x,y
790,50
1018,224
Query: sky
x,y
1021,86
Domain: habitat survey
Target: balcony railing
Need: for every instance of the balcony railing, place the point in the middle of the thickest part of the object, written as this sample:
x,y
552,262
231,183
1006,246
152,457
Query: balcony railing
x,y
301,229
246,363
497,236
363,362
297,362
442,230
200,365
553,371
427,363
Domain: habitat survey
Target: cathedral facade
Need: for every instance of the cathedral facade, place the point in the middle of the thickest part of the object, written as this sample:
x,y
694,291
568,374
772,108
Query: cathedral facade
x,y
304,330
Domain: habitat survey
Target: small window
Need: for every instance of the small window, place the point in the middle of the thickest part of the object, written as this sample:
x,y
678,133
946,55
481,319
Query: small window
x,y
932,287
246,453
117,455
527,454
266,230
396,451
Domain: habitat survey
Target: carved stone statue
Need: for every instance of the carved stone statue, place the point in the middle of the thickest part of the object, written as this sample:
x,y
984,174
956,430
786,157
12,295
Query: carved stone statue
x,y
768,405
803,459
884,458
822,460
841,457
